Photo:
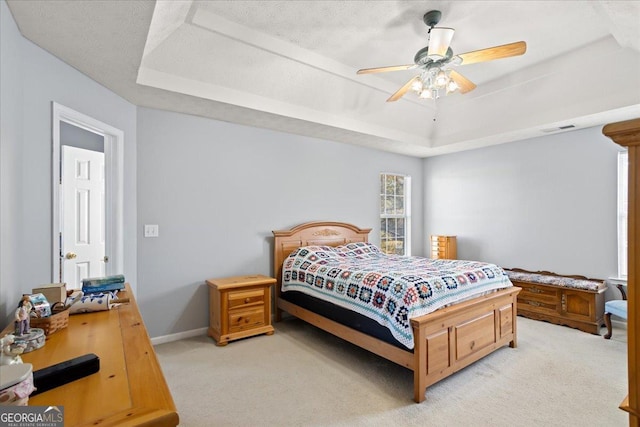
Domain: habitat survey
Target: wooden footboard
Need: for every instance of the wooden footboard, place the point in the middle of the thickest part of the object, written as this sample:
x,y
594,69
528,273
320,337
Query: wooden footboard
x,y
451,338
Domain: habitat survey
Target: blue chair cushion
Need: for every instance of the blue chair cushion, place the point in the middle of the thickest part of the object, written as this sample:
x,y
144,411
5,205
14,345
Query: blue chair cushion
x,y
616,307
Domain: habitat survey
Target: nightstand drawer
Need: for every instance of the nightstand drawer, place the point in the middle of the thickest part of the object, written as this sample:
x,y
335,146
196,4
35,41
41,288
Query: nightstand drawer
x,y
240,320
245,298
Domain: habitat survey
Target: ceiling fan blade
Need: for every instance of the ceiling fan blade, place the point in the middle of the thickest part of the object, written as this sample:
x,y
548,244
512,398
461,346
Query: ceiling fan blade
x,y
439,41
400,92
463,83
386,69
491,53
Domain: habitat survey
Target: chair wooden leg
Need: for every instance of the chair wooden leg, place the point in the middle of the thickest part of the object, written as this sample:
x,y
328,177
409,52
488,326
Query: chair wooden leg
x,y
607,321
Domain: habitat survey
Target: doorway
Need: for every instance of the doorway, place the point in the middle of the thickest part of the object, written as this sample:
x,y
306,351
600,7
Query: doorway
x,y
84,219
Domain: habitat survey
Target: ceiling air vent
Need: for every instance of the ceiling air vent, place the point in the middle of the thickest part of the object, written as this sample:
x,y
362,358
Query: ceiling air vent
x,y
559,128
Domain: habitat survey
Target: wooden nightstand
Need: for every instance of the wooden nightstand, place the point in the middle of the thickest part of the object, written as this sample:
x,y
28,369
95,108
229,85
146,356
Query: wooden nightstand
x,y
239,307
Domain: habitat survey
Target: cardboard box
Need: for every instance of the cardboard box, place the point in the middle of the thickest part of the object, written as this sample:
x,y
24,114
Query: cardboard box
x,y
53,292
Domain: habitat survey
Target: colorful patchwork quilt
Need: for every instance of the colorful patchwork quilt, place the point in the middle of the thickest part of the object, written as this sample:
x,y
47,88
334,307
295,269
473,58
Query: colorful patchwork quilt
x,y
389,289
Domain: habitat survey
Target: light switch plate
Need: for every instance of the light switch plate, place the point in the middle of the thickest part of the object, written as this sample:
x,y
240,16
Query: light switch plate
x,y
151,230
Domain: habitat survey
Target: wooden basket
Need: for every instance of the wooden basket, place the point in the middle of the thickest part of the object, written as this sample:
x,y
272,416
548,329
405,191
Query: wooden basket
x,y
59,319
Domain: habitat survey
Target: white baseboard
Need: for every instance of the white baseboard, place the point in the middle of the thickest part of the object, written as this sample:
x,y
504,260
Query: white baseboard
x,y
178,336
620,323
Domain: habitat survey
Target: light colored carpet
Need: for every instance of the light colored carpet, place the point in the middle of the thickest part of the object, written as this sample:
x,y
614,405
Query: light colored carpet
x,y
301,376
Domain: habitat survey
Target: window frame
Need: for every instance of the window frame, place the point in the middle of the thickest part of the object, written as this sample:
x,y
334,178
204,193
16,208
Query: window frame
x,y
406,215
622,213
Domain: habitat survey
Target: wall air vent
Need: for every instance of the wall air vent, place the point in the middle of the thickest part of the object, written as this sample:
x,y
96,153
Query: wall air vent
x,y
559,128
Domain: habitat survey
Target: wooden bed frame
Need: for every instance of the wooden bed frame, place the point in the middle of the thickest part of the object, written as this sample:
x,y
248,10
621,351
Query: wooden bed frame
x,y
445,341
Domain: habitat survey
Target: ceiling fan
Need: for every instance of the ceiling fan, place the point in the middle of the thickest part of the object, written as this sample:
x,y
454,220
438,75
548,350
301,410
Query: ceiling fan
x,y
436,59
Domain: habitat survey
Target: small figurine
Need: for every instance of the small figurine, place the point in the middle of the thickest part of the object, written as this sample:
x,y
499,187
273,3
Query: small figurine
x,y
22,316
8,355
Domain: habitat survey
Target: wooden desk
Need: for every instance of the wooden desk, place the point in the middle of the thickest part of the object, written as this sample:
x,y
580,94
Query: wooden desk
x,y
129,389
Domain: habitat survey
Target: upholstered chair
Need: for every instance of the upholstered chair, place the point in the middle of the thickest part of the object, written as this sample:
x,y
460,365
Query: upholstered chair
x,y
616,307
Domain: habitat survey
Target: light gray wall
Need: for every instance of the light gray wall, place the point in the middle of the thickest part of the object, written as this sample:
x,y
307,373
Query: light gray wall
x,y
217,190
11,160
31,80
547,203
77,137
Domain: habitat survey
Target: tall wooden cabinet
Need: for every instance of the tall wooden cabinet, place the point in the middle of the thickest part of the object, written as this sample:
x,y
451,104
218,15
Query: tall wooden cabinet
x,y
443,247
627,134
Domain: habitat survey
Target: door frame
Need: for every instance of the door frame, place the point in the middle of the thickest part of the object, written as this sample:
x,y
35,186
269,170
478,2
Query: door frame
x,y
114,189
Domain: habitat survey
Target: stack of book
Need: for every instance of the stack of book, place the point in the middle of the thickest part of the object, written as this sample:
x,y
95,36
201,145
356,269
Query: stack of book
x,y
103,284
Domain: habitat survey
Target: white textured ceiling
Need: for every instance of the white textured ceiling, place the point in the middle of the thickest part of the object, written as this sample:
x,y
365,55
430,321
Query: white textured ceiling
x,y
291,65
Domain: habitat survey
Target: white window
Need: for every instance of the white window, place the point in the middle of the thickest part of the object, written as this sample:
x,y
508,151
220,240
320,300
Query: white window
x,y
623,183
395,214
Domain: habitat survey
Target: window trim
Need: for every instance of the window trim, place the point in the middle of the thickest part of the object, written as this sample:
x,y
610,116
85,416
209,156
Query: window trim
x,y
407,208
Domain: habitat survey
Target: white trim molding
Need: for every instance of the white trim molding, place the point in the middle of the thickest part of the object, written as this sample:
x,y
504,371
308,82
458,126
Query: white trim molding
x,y
179,336
617,280
114,191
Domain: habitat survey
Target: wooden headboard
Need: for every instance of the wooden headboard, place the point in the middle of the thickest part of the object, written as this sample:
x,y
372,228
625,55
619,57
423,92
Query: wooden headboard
x,y
318,233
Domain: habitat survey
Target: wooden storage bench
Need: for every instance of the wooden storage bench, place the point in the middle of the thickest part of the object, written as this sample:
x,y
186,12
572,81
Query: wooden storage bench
x,y
574,301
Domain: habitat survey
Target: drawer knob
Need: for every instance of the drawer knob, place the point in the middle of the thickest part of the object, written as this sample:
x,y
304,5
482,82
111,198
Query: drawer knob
x,y
534,303
535,290
246,300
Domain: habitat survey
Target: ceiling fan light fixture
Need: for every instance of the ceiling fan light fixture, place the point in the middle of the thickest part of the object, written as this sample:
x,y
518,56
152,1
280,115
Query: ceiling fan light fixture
x,y
441,80
434,81
439,41
437,59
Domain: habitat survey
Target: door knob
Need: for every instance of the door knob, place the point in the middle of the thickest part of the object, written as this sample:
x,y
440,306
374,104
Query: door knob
x,y
105,259
70,255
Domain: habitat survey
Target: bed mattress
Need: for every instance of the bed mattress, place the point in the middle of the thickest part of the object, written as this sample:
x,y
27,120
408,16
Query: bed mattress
x,y
343,316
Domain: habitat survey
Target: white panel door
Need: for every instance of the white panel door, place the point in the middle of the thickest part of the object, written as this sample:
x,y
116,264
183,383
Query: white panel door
x,y
83,211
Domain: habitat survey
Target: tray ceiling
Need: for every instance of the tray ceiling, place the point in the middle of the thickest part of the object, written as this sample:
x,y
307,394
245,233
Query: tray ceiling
x,y
291,65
